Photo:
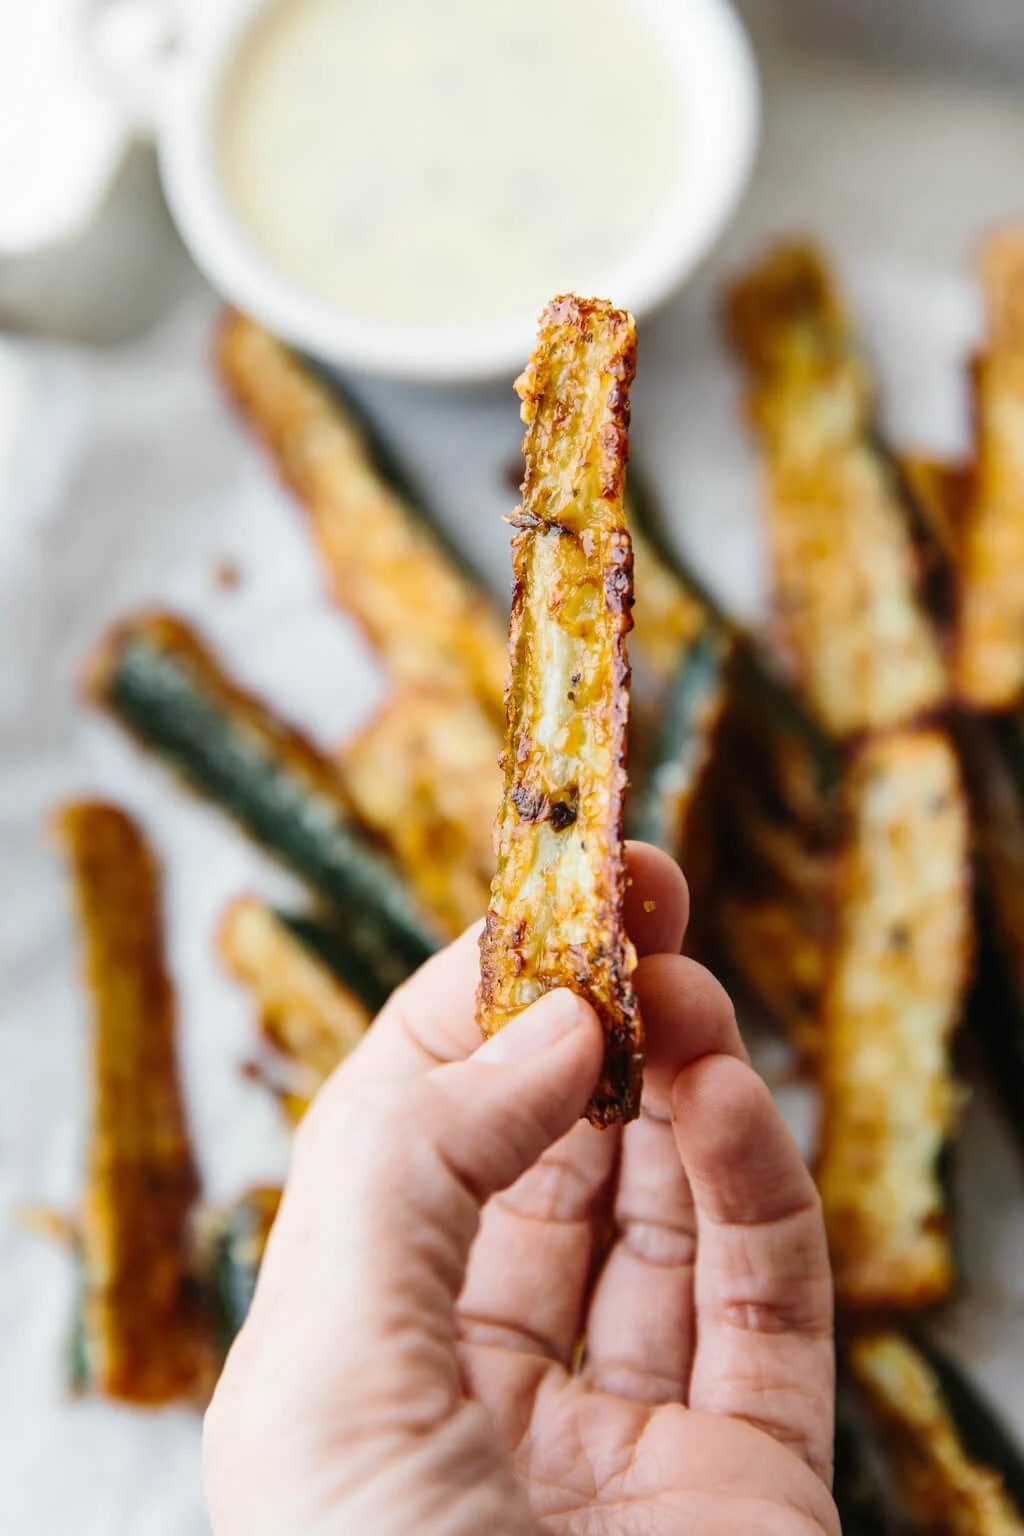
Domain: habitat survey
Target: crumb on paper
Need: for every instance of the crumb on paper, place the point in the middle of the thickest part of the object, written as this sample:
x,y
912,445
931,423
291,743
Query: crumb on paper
x,y
227,575
650,905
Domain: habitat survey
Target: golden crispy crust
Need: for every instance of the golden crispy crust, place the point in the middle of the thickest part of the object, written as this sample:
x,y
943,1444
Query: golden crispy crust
x,y
849,620
894,999
555,917
141,1330
306,1012
430,623
943,1491
424,776
989,659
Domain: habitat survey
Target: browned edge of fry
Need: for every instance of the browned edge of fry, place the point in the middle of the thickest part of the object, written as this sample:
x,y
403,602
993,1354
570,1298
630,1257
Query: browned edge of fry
x,y
575,451
144,1329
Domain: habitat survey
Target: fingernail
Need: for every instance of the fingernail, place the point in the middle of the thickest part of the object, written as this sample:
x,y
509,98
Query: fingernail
x,y
535,1030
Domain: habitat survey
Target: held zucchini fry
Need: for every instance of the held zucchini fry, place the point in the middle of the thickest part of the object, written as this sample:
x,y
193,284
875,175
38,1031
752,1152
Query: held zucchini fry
x,y
315,997
430,622
424,776
894,999
989,658
850,613
555,917
154,675
140,1333
949,1458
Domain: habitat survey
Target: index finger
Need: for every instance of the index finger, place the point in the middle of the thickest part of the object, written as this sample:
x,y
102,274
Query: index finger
x,y
431,1018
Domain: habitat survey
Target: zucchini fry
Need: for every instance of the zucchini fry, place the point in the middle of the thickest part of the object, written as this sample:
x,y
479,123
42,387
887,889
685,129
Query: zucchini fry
x,y
684,648
140,1330
693,703
989,659
894,999
315,997
993,755
669,617
940,488
850,617
857,1483
928,1418
555,917
424,776
769,920
429,621
239,1240
153,675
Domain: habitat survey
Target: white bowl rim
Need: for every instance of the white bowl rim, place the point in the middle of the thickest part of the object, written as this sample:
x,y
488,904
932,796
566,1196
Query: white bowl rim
x,y
709,51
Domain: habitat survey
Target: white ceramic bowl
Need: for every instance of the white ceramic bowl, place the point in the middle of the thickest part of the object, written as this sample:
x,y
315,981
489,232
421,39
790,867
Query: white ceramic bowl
x,y
712,65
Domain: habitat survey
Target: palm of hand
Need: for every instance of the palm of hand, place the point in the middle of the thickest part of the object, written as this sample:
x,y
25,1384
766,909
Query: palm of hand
x,y
609,1467
610,1449
412,1361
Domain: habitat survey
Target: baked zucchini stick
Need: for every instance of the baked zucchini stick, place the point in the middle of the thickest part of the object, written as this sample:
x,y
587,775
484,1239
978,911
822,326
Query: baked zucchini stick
x,y
315,997
669,617
692,705
993,754
424,776
989,659
955,1470
239,1238
850,610
157,678
430,622
140,1335
556,910
858,1486
895,997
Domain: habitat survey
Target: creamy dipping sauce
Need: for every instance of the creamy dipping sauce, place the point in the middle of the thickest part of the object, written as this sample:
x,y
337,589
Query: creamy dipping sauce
x,y
440,161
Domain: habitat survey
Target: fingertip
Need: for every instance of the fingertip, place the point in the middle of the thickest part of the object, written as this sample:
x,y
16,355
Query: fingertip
x,y
657,904
541,1026
735,1145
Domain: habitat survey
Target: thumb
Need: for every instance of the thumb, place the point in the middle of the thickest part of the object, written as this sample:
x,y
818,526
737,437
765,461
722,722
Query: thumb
x,y
370,1247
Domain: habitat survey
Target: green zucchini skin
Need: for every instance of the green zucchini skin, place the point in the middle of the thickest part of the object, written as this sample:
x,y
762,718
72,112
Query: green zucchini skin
x,y
857,1479
166,689
681,745
238,1252
985,1436
330,946
992,752
757,682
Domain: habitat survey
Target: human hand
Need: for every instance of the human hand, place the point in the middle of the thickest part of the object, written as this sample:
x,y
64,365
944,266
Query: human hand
x,y
410,1363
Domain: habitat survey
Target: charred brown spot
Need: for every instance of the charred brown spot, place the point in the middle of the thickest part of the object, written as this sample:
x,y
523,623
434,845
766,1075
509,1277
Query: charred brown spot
x,y
530,803
564,812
